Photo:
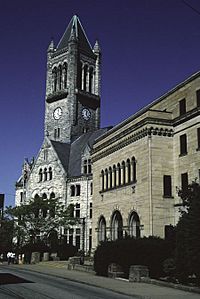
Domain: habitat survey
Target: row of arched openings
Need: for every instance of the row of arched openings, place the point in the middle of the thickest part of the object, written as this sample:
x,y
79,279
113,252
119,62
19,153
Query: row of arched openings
x,y
59,77
45,174
118,175
116,228
87,77
44,211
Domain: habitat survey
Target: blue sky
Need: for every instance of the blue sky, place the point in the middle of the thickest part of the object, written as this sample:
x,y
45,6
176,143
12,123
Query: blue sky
x,y
148,47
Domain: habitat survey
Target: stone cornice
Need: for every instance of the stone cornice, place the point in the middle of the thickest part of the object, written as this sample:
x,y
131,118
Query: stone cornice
x,y
56,96
130,139
117,137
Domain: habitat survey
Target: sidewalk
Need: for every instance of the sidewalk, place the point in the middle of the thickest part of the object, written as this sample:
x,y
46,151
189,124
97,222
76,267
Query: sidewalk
x,y
142,290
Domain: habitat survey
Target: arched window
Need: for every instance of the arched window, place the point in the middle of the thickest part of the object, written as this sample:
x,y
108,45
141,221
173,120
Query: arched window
x,y
123,173
114,176
52,195
72,190
119,174
134,225
50,173
40,175
102,229
128,165
85,77
44,196
65,75
102,180
116,226
90,79
45,174
55,79
60,77
106,174
133,161
110,177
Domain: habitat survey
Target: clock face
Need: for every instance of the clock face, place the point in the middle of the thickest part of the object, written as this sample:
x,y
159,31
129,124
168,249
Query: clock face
x,y
86,114
57,113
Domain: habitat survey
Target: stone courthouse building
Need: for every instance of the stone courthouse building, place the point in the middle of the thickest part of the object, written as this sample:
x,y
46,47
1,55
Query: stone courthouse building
x,y
122,181
63,167
139,165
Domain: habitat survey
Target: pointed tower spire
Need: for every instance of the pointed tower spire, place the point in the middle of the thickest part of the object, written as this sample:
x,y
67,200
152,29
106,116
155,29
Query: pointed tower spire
x,y
51,46
73,35
96,48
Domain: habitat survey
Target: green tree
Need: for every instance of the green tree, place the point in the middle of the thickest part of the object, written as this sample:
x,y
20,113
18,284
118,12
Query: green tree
x,y
6,233
38,219
188,233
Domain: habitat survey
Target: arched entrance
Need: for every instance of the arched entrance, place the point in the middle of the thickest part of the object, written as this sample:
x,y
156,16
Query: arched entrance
x,y
102,229
116,226
134,225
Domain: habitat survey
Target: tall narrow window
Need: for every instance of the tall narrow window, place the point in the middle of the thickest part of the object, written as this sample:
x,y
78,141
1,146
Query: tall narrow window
x,y
106,174
91,188
124,172
119,174
198,138
72,190
85,167
133,161
65,75
167,186
128,165
71,232
90,79
90,239
198,97
90,210
78,238
45,174
114,176
89,166
60,77
54,75
40,175
77,211
102,180
182,107
184,181
50,173
183,144
110,177
78,190
85,77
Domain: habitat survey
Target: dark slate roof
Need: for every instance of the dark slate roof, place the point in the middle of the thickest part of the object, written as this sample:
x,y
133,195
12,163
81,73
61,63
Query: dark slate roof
x,y
77,148
75,27
70,154
63,152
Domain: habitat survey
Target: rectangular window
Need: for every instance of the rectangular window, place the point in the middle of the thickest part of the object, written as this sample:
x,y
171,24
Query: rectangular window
x,y
198,97
182,107
184,181
90,239
90,210
78,242
183,144
167,185
78,190
77,212
198,138
21,197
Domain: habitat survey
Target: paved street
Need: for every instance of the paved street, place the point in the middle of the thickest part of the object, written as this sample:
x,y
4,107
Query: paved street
x,y
22,284
76,284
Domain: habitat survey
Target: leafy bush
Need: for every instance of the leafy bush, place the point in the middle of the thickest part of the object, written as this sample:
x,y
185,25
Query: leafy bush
x,y
150,252
64,251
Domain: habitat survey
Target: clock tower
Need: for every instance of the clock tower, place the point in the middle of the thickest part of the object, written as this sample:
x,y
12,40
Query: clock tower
x,y
72,105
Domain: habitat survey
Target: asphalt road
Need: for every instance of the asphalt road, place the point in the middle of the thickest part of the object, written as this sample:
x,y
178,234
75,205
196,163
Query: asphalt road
x,y
20,284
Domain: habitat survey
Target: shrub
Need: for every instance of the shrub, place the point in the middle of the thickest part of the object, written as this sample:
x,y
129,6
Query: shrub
x,y
150,252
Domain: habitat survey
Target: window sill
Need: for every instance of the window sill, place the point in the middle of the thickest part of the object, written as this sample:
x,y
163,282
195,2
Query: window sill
x,y
168,196
183,154
118,187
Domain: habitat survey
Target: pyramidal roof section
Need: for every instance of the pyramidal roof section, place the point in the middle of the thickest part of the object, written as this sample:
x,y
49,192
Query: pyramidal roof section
x,y
75,26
